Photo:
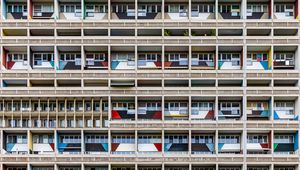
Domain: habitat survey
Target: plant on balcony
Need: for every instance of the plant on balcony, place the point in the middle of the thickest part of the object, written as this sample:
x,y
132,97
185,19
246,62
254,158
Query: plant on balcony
x,y
186,33
167,32
213,32
193,33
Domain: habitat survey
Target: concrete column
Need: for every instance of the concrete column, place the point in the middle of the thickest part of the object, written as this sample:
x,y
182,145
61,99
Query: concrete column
x,y
216,9
28,57
82,143
56,10
272,9
217,108
190,143
190,108
109,141
109,10
217,142
272,108
82,58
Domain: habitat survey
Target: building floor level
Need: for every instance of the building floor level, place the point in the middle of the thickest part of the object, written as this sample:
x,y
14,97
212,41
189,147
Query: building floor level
x,y
149,85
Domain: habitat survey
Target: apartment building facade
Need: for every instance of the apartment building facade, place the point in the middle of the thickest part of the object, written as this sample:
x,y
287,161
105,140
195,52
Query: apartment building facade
x,y
149,85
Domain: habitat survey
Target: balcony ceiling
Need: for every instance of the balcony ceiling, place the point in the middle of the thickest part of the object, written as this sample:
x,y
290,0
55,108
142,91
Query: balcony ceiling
x,y
69,1
97,1
15,48
177,1
258,98
14,1
122,48
122,1
42,48
176,98
258,48
260,1
41,1
230,48
177,48
230,1
206,1
149,1
149,98
285,48
285,98
68,48
201,98
280,1
149,48
231,98
203,48
95,48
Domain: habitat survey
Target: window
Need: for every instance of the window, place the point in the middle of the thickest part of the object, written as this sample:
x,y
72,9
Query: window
x,y
180,139
201,106
149,139
205,139
123,139
17,8
229,139
70,139
288,9
283,138
68,8
69,57
257,139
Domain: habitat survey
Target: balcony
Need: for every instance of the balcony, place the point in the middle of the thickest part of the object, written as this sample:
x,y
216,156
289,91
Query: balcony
x,y
123,11
176,11
176,109
69,143
259,143
203,110
96,60
42,57
123,109
42,144
16,144
229,143
258,109
177,59
229,109
15,9
70,11
285,10
259,58
230,58
176,143
258,10
96,10
284,110
42,10
149,143
203,58
230,10
149,109
285,143
123,143
96,143
69,58
15,58
149,57
203,143
284,57
149,10
123,58
203,10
